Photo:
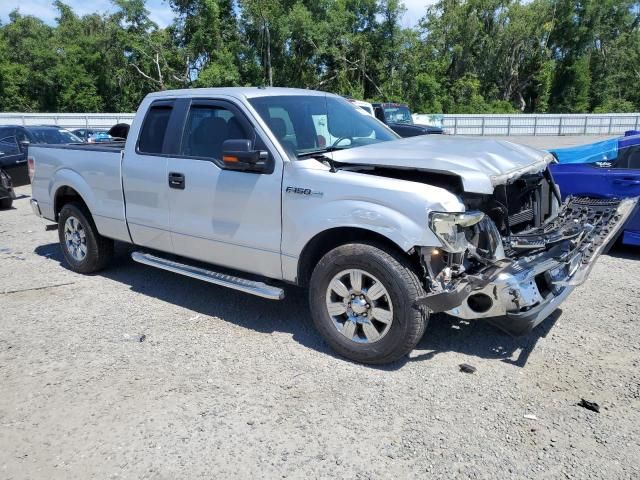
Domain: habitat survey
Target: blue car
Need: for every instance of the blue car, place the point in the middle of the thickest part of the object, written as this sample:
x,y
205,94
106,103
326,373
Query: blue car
x,y
607,169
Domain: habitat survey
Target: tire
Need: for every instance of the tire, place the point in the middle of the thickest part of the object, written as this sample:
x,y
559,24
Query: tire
x,y
89,251
390,341
6,203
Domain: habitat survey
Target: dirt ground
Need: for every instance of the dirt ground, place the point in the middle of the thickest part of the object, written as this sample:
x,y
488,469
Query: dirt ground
x,y
139,373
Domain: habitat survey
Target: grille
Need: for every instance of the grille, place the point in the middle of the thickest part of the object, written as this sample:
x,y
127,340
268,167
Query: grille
x,y
521,217
529,201
600,202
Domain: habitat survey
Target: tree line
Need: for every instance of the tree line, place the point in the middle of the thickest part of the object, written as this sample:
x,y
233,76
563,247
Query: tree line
x,y
463,56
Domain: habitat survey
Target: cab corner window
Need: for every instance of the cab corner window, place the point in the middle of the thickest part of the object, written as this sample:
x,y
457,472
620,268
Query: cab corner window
x,y
207,128
154,129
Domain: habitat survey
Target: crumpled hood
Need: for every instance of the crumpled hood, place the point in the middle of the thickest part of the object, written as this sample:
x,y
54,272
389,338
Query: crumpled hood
x,y
482,163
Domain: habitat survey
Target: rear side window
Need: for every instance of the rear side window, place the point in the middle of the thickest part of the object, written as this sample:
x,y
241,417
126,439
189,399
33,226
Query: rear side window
x,y
154,129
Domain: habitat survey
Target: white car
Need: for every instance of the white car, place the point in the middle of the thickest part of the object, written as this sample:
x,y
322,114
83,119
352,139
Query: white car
x,y
364,106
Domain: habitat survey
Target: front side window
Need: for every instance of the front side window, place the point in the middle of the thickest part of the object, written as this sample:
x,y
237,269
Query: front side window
x,y
207,128
8,144
306,124
629,155
154,129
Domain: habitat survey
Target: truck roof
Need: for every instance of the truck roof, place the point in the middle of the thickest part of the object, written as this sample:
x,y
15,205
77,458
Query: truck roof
x,y
389,104
238,92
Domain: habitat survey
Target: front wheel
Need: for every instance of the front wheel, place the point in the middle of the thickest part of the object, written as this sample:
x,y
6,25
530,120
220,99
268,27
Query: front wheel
x,y
363,303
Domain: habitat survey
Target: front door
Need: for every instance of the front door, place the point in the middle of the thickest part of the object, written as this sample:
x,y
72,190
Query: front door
x,y
224,217
13,159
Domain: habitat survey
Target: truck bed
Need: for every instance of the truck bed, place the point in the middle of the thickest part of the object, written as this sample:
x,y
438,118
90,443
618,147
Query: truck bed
x,y
95,171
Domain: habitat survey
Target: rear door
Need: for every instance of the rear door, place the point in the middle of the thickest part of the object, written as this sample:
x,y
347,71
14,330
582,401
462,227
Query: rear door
x,y
225,217
12,159
625,182
617,178
144,179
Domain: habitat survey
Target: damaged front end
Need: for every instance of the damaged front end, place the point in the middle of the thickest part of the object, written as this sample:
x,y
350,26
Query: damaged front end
x,y
519,254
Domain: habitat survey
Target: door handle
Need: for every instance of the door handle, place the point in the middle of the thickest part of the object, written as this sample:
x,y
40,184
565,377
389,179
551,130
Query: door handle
x,y
176,180
627,181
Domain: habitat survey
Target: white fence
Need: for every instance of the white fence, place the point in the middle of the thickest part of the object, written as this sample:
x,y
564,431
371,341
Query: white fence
x,y
524,124
534,124
67,120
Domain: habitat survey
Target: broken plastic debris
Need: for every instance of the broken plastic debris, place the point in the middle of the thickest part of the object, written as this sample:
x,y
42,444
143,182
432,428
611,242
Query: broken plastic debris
x,y
593,406
466,368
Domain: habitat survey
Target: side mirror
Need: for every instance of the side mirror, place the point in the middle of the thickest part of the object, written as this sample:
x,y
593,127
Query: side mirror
x,y
238,155
24,145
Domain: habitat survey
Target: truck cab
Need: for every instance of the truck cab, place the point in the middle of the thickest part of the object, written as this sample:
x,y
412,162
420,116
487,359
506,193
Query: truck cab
x,y
398,117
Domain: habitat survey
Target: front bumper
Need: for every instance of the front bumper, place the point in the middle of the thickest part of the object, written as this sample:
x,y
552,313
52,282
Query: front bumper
x,y
543,267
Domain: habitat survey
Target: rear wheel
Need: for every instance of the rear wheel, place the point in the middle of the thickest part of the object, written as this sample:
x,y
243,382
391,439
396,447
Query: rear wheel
x,y
362,302
84,249
6,203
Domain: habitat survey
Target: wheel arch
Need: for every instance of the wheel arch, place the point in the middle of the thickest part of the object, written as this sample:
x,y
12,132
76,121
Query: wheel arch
x,y
327,240
66,186
64,195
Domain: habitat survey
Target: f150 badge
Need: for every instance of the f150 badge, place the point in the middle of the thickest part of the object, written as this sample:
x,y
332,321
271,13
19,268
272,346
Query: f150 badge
x,y
302,191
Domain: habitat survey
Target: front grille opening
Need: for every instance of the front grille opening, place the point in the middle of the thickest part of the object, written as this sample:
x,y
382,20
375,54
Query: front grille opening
x,y
480,302
543,282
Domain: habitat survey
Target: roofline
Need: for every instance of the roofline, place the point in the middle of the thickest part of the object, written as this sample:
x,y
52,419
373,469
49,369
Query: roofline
x,y
239,92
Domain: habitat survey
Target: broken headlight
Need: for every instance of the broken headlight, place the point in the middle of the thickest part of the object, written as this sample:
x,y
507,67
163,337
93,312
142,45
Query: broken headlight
x,y
449,228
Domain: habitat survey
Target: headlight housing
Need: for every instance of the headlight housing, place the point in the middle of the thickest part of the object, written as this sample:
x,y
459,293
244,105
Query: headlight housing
x,y
449,228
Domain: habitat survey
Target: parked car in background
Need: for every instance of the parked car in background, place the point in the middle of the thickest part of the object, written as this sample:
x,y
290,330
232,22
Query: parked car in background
x,y
92,135
6,191
366,106
398,117
14,141
607,169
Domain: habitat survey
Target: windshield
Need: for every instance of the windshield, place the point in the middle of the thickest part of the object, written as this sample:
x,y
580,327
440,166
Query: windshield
x,y
53,135
306,124
398,114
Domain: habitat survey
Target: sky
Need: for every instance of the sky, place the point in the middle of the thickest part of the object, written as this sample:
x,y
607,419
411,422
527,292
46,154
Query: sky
x,y
160,11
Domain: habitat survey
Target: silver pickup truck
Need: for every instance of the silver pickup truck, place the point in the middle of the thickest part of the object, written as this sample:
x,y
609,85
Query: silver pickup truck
x,y
252,188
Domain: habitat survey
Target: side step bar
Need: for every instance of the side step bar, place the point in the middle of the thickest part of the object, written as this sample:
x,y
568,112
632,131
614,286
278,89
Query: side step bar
x,y
248,286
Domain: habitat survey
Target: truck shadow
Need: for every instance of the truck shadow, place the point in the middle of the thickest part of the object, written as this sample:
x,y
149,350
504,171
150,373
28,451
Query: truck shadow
x,y
626,252
480,339
291,315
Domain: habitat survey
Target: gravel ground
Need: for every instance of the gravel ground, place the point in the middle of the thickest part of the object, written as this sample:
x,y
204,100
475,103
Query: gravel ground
x,y
140,373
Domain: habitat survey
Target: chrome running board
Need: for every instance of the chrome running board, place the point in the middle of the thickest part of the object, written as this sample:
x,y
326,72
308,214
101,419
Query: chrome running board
x,y
248,286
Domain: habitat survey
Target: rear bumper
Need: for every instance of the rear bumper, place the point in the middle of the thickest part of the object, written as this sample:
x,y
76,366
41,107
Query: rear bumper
x,y
521,292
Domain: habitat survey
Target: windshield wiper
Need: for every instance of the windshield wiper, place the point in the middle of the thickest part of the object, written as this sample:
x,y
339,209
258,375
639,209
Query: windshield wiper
x,y
320,152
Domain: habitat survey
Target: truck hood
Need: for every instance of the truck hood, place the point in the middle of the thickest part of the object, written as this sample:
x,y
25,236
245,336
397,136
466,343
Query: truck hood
x,y
481,163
